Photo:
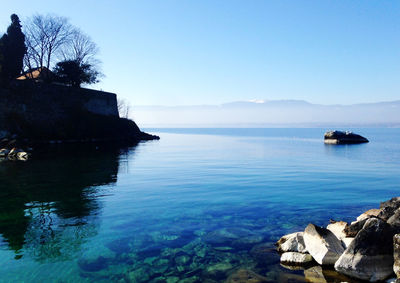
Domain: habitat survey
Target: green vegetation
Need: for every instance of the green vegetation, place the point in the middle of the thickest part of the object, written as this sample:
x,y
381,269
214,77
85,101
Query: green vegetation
x,y
74,73
12,51
48,43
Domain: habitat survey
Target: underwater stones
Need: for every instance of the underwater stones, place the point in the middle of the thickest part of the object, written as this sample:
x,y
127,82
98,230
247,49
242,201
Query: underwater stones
x,y
160,265
317,274
223,249
220,266
119,246
337,229
246,276
314,274
141,274
200,251
193,279
370,255
226,236
93,265
295,258
245,242
322,244
264,253
172,279
182,260
292,243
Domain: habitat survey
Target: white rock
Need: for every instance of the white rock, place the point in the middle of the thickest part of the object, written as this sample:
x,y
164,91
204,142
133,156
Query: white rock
x,y
322,244
4,152
337,229
292,243
369,213
22,155
370,255
347,241
295,258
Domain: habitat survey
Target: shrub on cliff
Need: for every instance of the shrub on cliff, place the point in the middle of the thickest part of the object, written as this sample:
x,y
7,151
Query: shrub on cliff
x,y
75,73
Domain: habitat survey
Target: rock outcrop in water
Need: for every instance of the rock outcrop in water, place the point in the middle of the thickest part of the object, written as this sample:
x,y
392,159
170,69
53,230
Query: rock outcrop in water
x,y
366,249
340,137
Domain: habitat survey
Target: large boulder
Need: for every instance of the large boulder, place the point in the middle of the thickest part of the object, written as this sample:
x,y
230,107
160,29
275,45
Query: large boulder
x,y
293,258
370,255
374,212
292,243
322,244
394,220
352,229
347,241
396,254
388,208
393,202
337,228
340,137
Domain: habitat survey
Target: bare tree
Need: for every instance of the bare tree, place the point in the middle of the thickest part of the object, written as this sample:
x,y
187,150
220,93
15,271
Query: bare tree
x,y
80,48
123,108
45,35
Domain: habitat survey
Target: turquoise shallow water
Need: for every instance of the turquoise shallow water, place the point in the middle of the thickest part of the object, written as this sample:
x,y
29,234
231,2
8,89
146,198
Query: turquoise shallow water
x,y
195,206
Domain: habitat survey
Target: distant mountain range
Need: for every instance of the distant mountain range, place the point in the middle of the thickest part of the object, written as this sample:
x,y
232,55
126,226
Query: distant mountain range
x,y
270,113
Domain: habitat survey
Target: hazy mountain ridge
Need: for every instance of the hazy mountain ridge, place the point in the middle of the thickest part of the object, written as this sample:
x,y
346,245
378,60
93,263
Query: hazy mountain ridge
x,y
272,112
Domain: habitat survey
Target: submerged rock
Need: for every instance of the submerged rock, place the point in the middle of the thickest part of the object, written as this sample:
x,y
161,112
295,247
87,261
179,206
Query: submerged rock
x,y
292,243
322,244
93,265
246,276
317,274
314,274
370,255
295,258
340,137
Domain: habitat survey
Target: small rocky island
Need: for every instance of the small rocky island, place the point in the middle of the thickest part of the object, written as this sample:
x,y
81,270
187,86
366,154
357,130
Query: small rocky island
x,y
340,137
366,249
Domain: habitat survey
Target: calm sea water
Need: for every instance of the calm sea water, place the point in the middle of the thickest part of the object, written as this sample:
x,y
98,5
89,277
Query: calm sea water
x,y
195,206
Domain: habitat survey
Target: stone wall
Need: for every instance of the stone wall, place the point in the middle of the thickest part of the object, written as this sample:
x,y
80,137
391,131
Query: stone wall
x,y
50,101
38,112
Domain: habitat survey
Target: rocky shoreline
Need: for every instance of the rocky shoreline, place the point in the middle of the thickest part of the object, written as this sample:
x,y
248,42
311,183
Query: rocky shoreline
x,y
15,149
366,249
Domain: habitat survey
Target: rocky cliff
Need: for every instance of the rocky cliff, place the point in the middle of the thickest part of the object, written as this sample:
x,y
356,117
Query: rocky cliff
x,y
44,112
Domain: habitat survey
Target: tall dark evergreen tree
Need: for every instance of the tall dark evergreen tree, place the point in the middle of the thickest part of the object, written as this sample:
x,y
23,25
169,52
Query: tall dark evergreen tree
x,y
12,51
3,71
15,48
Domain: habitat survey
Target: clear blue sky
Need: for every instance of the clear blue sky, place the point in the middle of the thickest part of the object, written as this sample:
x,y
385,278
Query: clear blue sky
x,y
209,52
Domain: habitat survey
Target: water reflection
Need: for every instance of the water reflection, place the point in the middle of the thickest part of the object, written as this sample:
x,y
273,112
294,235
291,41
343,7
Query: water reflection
x,y
49,206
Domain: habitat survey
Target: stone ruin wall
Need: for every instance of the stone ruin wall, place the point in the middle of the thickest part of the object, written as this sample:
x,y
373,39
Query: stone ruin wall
x,y
41,102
